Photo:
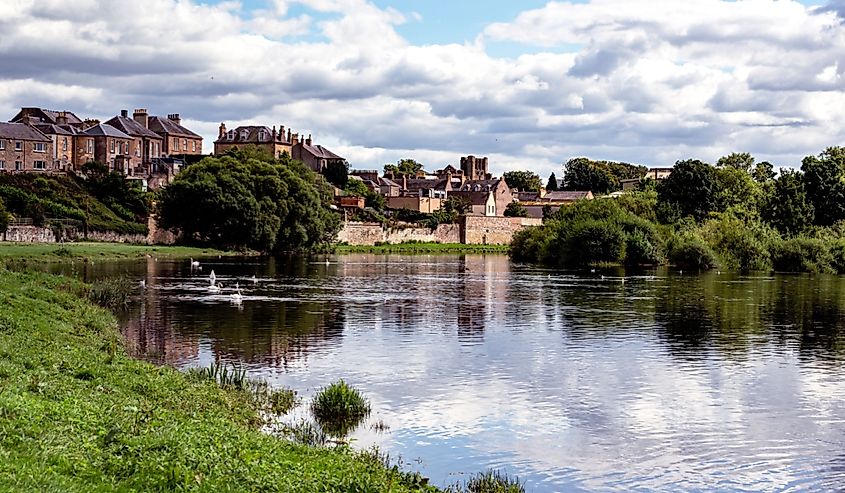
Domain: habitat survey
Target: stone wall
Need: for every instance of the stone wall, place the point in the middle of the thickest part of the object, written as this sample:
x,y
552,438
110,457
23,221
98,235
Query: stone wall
x,y
372,233
29,234
478,230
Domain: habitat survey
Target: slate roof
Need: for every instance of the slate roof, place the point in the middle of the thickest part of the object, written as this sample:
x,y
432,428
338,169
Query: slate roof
x,y
52,129
161,125
474,197
19,131
131,127
321,152
479,185
105,130
565,196
49,116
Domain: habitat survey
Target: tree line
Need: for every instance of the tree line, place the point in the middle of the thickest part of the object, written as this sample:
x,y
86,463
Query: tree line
x,y
736,214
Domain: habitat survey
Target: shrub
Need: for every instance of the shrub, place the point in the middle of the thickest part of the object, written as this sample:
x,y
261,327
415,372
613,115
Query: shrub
x,y
338,408
837,256
111,293
531,244
805,255
489,482
740,242
691,252
594,241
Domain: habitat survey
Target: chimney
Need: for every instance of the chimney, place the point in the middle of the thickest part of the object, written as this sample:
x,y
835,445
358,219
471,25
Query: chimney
x,y
221,131
405,183
308,140
174,117
61,118
124,113
289,136
448,186
141,116
281,132
274,133
295,139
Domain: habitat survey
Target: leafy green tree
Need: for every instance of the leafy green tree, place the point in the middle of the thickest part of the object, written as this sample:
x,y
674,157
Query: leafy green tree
x,y
337,173
407,167
763,172
824,179
736,188
263,205
741,161
691,190
458,205
787,207
551,185
584,174
515,209
4,218
371,198
524,181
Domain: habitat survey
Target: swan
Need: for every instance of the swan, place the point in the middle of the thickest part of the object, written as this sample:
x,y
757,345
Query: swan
x,y
236,296
253,279
142,283
212,278
195,263
215,288
327,262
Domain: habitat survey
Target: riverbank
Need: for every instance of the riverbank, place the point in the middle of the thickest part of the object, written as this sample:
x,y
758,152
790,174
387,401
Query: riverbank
x,y
54,252
78,414
422,248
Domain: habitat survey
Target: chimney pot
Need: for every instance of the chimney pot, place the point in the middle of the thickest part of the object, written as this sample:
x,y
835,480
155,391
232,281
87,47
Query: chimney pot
x,y
141,116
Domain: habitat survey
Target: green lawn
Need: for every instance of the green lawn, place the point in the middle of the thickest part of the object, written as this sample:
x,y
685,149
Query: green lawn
x,y
422,248
78,415
54,252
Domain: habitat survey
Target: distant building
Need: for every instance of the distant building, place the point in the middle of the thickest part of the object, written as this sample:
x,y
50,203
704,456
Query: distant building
x,y
488,197
316,157
111,147
475,168
538,202
41,115
146,145
177,140
268,139
23,148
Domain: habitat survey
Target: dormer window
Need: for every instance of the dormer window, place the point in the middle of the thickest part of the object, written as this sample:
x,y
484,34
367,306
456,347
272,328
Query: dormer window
x,y
244,134
230,135
262,135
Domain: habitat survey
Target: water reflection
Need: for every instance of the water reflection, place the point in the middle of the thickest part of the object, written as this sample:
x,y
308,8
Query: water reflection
x,y
574,382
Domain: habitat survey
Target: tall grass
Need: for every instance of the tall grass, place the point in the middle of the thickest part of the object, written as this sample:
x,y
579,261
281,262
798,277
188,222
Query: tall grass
x,y
339,408
488,482
112,293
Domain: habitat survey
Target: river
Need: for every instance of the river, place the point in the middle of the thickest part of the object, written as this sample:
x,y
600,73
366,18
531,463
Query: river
x,y
572,382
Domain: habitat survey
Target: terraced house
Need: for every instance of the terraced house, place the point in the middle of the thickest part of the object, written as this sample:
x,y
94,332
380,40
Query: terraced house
x,y
24,148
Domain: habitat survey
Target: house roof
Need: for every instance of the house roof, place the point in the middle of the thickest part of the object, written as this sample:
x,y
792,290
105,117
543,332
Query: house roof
x,y
250,134
131,127
565,196
320,152
105,130
479,185
388,182
474,197
52,129
162,125
48,116
527,195
19,131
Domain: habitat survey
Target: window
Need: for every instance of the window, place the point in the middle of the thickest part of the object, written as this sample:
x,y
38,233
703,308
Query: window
x,y
64,144
39,147
156,149
2,145
112,146
137,151
18,165
90,146
39,165
18,146
175,145
2,164
230,135
184,145
194,145
126,149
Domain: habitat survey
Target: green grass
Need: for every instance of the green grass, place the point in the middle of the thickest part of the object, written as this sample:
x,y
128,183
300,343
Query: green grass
x,y
52,252
78,415
422,248
339,408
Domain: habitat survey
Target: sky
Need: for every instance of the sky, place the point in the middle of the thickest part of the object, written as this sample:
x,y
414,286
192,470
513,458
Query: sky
x,y
530,84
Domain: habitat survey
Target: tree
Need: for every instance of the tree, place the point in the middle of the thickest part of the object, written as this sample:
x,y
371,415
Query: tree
x,y
584,174
337,173
458,205
787,207
741,161
4,218
736,188
824,181
763,172
690,190
407,167
515,209
551,185
264,205
371,198
524,181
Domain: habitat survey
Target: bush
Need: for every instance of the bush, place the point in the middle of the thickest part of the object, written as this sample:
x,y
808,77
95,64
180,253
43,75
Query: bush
x,y
594,241
837,256
532,244
806,255
339,408
691,252
741,243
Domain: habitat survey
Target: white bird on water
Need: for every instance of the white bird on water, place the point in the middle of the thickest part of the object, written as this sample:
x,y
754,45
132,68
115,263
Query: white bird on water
x,y
212,278
142,284
236,296
195,263
327,262
215,288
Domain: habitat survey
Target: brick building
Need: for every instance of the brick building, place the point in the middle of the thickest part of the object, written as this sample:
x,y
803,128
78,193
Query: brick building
x,y
268,139
146,145
177,140
24,148
316,157
111,147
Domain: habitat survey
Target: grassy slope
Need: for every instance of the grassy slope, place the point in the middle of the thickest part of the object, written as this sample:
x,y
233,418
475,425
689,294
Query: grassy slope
x,y
100,251
77,414
422,248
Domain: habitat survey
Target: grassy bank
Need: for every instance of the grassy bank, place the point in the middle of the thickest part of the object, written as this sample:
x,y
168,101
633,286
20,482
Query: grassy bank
x,y
411,248
77,414
52,252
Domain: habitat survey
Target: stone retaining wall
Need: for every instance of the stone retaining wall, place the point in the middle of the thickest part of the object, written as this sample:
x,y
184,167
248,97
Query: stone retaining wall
x,y
472,230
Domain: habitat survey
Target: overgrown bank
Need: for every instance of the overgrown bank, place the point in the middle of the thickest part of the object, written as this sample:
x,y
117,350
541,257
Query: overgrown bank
x,y
78,414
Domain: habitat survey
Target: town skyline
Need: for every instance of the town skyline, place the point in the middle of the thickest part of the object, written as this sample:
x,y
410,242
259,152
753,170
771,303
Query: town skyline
x,y
381,81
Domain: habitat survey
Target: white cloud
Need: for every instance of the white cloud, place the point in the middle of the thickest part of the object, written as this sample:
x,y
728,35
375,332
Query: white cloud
x,y
647,81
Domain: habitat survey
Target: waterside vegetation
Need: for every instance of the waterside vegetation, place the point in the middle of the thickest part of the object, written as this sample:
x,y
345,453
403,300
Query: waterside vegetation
x,y
736,215
95,251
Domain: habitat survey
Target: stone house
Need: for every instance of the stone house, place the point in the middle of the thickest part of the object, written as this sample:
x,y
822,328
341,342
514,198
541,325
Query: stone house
x,y
487,197
316,157
41,115
268,139
62,139
24,148
146,145
177,140
111,147
551,201
382,185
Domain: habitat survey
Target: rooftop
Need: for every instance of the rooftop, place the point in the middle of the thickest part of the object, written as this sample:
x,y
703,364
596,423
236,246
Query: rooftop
x,y
19,131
